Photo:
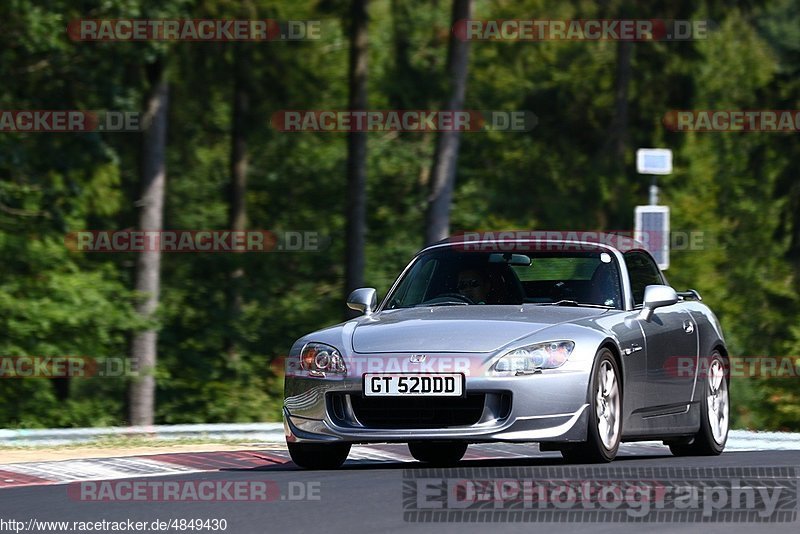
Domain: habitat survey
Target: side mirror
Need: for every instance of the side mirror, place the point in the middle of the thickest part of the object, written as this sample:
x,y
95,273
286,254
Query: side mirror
x,y
657,296
364,300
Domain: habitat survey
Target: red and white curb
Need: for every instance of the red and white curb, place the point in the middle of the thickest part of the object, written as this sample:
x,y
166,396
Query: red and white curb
x,y
272,456
65,471
275,455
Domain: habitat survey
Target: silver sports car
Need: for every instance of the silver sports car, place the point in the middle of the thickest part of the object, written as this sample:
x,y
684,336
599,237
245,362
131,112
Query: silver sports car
x,y
576,345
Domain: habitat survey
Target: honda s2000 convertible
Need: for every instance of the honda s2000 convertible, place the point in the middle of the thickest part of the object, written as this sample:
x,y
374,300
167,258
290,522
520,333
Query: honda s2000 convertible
x,y
575,345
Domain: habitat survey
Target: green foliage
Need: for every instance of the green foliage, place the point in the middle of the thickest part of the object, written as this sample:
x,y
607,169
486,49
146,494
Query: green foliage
x,y
739,189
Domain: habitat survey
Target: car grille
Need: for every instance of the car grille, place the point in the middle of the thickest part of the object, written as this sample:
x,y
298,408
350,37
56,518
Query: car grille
x,y
416,412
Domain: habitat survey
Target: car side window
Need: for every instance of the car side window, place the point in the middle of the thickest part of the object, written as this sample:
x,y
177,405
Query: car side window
x,y
642,272
413,288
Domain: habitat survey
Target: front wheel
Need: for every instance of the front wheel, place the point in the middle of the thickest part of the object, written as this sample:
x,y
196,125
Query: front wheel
x,y
318,455
438,452
605,414
714,414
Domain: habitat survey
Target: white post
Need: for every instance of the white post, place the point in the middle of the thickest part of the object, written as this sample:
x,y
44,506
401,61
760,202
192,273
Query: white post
x,y
654,193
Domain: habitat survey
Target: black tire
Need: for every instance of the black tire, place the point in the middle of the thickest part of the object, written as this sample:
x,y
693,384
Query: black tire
x,y
593,450
440,453
318,455
704,443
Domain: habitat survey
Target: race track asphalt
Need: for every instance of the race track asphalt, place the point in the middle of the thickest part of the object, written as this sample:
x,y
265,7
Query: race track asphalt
x,y
376,492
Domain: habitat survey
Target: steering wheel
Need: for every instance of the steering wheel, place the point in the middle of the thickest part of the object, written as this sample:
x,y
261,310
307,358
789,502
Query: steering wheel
x,y
560,291
444,297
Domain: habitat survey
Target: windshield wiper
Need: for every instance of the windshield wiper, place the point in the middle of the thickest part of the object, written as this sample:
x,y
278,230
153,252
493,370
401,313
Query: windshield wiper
x,y
445,303
566,302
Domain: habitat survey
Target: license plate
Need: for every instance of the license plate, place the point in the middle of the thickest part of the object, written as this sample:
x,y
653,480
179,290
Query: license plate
x,y
433,385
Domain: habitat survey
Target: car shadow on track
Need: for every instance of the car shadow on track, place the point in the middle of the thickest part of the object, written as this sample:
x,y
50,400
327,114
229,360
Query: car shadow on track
x,y
356,465
371,464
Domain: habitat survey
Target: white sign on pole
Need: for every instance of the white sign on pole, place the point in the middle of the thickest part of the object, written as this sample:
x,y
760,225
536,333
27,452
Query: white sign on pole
x,y
654,161
651,227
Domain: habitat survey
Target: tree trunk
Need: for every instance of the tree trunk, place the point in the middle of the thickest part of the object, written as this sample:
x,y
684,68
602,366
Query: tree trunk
x,y
357,151
148,266
443,173
618,134
237,211
617,142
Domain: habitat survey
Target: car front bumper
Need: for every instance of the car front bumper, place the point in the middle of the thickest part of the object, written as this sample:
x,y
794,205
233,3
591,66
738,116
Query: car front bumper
x,y
548,406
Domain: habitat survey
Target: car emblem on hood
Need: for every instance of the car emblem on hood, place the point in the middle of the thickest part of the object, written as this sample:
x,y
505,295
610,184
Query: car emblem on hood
x,y
417,358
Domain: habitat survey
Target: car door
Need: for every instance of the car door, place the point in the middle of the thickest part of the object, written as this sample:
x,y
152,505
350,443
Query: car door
x,y
670,341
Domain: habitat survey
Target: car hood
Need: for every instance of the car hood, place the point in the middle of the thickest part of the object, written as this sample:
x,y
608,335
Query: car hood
x,y
458,328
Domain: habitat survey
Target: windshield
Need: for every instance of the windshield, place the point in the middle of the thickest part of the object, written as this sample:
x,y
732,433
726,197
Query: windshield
x,y
446,276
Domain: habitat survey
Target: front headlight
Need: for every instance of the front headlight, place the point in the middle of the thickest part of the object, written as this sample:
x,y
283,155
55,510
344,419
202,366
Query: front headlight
x,y
318,359
533,358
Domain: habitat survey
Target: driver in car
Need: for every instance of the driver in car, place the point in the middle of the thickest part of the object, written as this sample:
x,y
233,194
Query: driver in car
x,y
474,285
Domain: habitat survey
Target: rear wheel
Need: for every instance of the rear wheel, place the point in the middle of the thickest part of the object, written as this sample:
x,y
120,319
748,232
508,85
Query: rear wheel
x,y
438,452
714,414
605,414
318,455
